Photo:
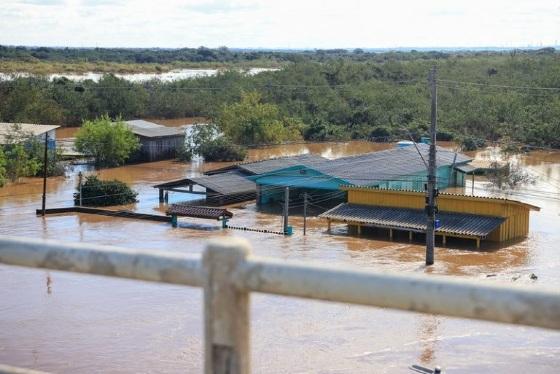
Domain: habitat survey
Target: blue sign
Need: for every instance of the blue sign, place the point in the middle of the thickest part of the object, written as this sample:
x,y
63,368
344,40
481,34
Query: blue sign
x,y
437,223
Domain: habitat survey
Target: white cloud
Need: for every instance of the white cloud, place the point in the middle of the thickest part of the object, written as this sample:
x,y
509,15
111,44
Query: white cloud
x,y
280,24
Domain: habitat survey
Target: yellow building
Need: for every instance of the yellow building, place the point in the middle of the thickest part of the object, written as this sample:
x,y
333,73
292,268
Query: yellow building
x,y
473,217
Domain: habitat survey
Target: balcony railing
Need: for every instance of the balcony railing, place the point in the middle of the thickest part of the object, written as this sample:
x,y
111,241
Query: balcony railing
x,y
229,273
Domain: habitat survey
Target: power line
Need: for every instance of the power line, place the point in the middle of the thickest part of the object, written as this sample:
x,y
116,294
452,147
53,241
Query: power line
x,y
501,85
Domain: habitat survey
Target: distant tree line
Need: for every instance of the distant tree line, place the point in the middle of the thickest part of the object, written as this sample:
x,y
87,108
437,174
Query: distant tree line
x,y
481,96
224,54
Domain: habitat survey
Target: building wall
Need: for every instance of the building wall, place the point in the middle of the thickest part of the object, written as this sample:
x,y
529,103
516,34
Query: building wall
x,y
446,177
153,149
515,226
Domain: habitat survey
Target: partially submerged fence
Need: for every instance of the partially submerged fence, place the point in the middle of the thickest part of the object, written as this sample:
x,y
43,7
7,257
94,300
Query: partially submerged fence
x,y
229,273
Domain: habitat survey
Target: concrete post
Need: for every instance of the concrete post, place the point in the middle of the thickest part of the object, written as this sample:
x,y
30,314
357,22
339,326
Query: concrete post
x,y
226,309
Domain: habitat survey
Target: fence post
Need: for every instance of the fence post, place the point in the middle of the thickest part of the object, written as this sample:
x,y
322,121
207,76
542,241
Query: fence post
x,y
226,309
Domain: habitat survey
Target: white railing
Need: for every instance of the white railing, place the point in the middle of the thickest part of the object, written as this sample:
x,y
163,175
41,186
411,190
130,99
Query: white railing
x,y
229,273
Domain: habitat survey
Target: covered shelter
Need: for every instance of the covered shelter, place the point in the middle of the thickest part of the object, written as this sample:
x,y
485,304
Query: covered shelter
x,y
473,217
219,189
204,212
157,142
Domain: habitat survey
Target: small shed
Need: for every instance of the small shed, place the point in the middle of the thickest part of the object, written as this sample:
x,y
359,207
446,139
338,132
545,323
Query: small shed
x,y
29,129
476,217
157,142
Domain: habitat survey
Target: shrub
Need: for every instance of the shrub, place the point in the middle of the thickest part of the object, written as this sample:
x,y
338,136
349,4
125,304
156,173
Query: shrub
x,y
471,143
221,149
96,192
184,154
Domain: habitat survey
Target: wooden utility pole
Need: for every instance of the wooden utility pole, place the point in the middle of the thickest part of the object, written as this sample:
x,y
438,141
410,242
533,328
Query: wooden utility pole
x,y
45,172
304,213
80,183
431,190
286,207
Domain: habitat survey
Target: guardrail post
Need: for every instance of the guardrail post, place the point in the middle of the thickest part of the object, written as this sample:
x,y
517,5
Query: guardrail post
x,y
226,309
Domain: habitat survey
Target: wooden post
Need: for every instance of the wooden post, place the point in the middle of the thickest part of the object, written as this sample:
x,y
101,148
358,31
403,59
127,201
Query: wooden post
x,y
286,208
226,309
359,229
391,234
80,182
329,226
174,220
444,240
45,171
477,243
410,236
304,213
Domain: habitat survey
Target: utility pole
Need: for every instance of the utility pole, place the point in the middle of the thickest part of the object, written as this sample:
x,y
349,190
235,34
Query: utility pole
x,y
80,182
304,213
431,190
45,172
286,207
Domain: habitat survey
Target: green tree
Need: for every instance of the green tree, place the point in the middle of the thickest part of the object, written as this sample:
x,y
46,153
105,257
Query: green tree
x,y
19,164
252,122
110,143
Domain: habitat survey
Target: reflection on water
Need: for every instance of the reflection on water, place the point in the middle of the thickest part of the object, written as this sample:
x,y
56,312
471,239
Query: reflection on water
x,y
168,76
94,324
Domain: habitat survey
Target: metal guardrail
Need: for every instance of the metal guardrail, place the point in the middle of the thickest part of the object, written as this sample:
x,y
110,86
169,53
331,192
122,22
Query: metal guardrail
x,y
228,274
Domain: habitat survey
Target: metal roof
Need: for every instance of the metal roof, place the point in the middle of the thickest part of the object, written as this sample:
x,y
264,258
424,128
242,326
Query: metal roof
x,y
226,183
371,168
273,164
27,128
153,130
198,211
466,168
229,183
460,224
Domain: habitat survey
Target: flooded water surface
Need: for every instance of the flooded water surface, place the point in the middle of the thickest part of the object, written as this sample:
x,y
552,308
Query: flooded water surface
x,y
70,323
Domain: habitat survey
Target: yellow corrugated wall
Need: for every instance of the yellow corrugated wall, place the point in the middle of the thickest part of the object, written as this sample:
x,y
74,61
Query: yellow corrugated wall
x,y
515,226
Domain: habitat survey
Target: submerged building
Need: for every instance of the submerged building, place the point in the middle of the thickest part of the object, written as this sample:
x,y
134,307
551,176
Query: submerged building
x,y
401,168
471,217
157,142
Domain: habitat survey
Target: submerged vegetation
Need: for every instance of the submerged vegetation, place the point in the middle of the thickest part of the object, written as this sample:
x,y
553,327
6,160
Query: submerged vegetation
x,y
210,143
97,192
109,143
318,95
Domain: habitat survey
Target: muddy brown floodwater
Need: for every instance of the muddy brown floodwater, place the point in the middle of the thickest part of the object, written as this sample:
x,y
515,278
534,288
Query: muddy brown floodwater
x,y
70,323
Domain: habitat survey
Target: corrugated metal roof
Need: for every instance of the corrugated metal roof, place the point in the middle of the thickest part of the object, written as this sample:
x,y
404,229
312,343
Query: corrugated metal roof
x,y
466,168
458,195
267,166
391,164
28,128
414,219
153,130
198,211
226,183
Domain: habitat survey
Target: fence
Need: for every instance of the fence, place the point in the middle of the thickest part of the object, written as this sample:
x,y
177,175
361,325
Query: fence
x,y
229,273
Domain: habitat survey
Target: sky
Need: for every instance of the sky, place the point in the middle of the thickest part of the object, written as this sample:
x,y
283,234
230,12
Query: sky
x,y
280,24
